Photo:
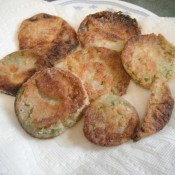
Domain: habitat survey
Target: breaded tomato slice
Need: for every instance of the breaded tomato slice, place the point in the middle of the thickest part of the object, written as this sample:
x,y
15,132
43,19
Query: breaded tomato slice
x,y
50,102
159,110
17,67
100,69
48,36
109,121
107,29
146,57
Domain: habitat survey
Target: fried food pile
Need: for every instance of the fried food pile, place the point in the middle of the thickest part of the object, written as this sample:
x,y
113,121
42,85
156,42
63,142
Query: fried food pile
x,y
59,76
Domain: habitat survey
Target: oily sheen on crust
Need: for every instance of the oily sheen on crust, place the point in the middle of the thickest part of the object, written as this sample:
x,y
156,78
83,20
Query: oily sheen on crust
x,y
49,36
50,102
17,67
109,121
100,69
107,29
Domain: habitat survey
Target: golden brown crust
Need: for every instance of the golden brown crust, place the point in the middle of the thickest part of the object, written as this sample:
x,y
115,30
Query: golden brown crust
x,y
107,29
147,56
49,102
100,69
109,121
48,36
17,67
158,112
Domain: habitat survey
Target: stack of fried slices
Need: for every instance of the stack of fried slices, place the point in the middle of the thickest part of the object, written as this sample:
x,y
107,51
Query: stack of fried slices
x,y
59,76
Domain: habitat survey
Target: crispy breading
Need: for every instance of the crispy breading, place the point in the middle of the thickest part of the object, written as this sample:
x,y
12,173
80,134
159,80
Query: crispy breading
x,y
159,110
107,29
49,36
50,102
110,120
17,67
147,56
100,69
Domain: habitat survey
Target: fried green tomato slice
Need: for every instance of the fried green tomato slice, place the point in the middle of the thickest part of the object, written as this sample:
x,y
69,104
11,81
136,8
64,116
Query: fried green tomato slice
x,y
107,29
148,56
50,102
109,121
159,110
17,67
100,69
49,36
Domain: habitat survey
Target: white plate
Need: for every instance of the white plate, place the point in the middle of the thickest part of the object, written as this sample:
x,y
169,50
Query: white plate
x,y
71,153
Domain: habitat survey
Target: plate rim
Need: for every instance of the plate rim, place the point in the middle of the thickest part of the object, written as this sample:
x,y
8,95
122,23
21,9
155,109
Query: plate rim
x,y
118,3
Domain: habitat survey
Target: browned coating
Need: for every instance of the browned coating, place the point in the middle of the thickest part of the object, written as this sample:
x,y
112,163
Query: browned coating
x,y
49,36
100,69
108,26
50,102
109,121
158,112
146,56
17,67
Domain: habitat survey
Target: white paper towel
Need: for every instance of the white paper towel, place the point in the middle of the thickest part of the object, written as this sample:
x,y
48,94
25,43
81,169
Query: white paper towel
x,y
71,153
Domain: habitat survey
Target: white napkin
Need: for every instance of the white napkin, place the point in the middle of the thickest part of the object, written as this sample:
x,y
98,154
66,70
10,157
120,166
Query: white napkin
x,y
71,153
